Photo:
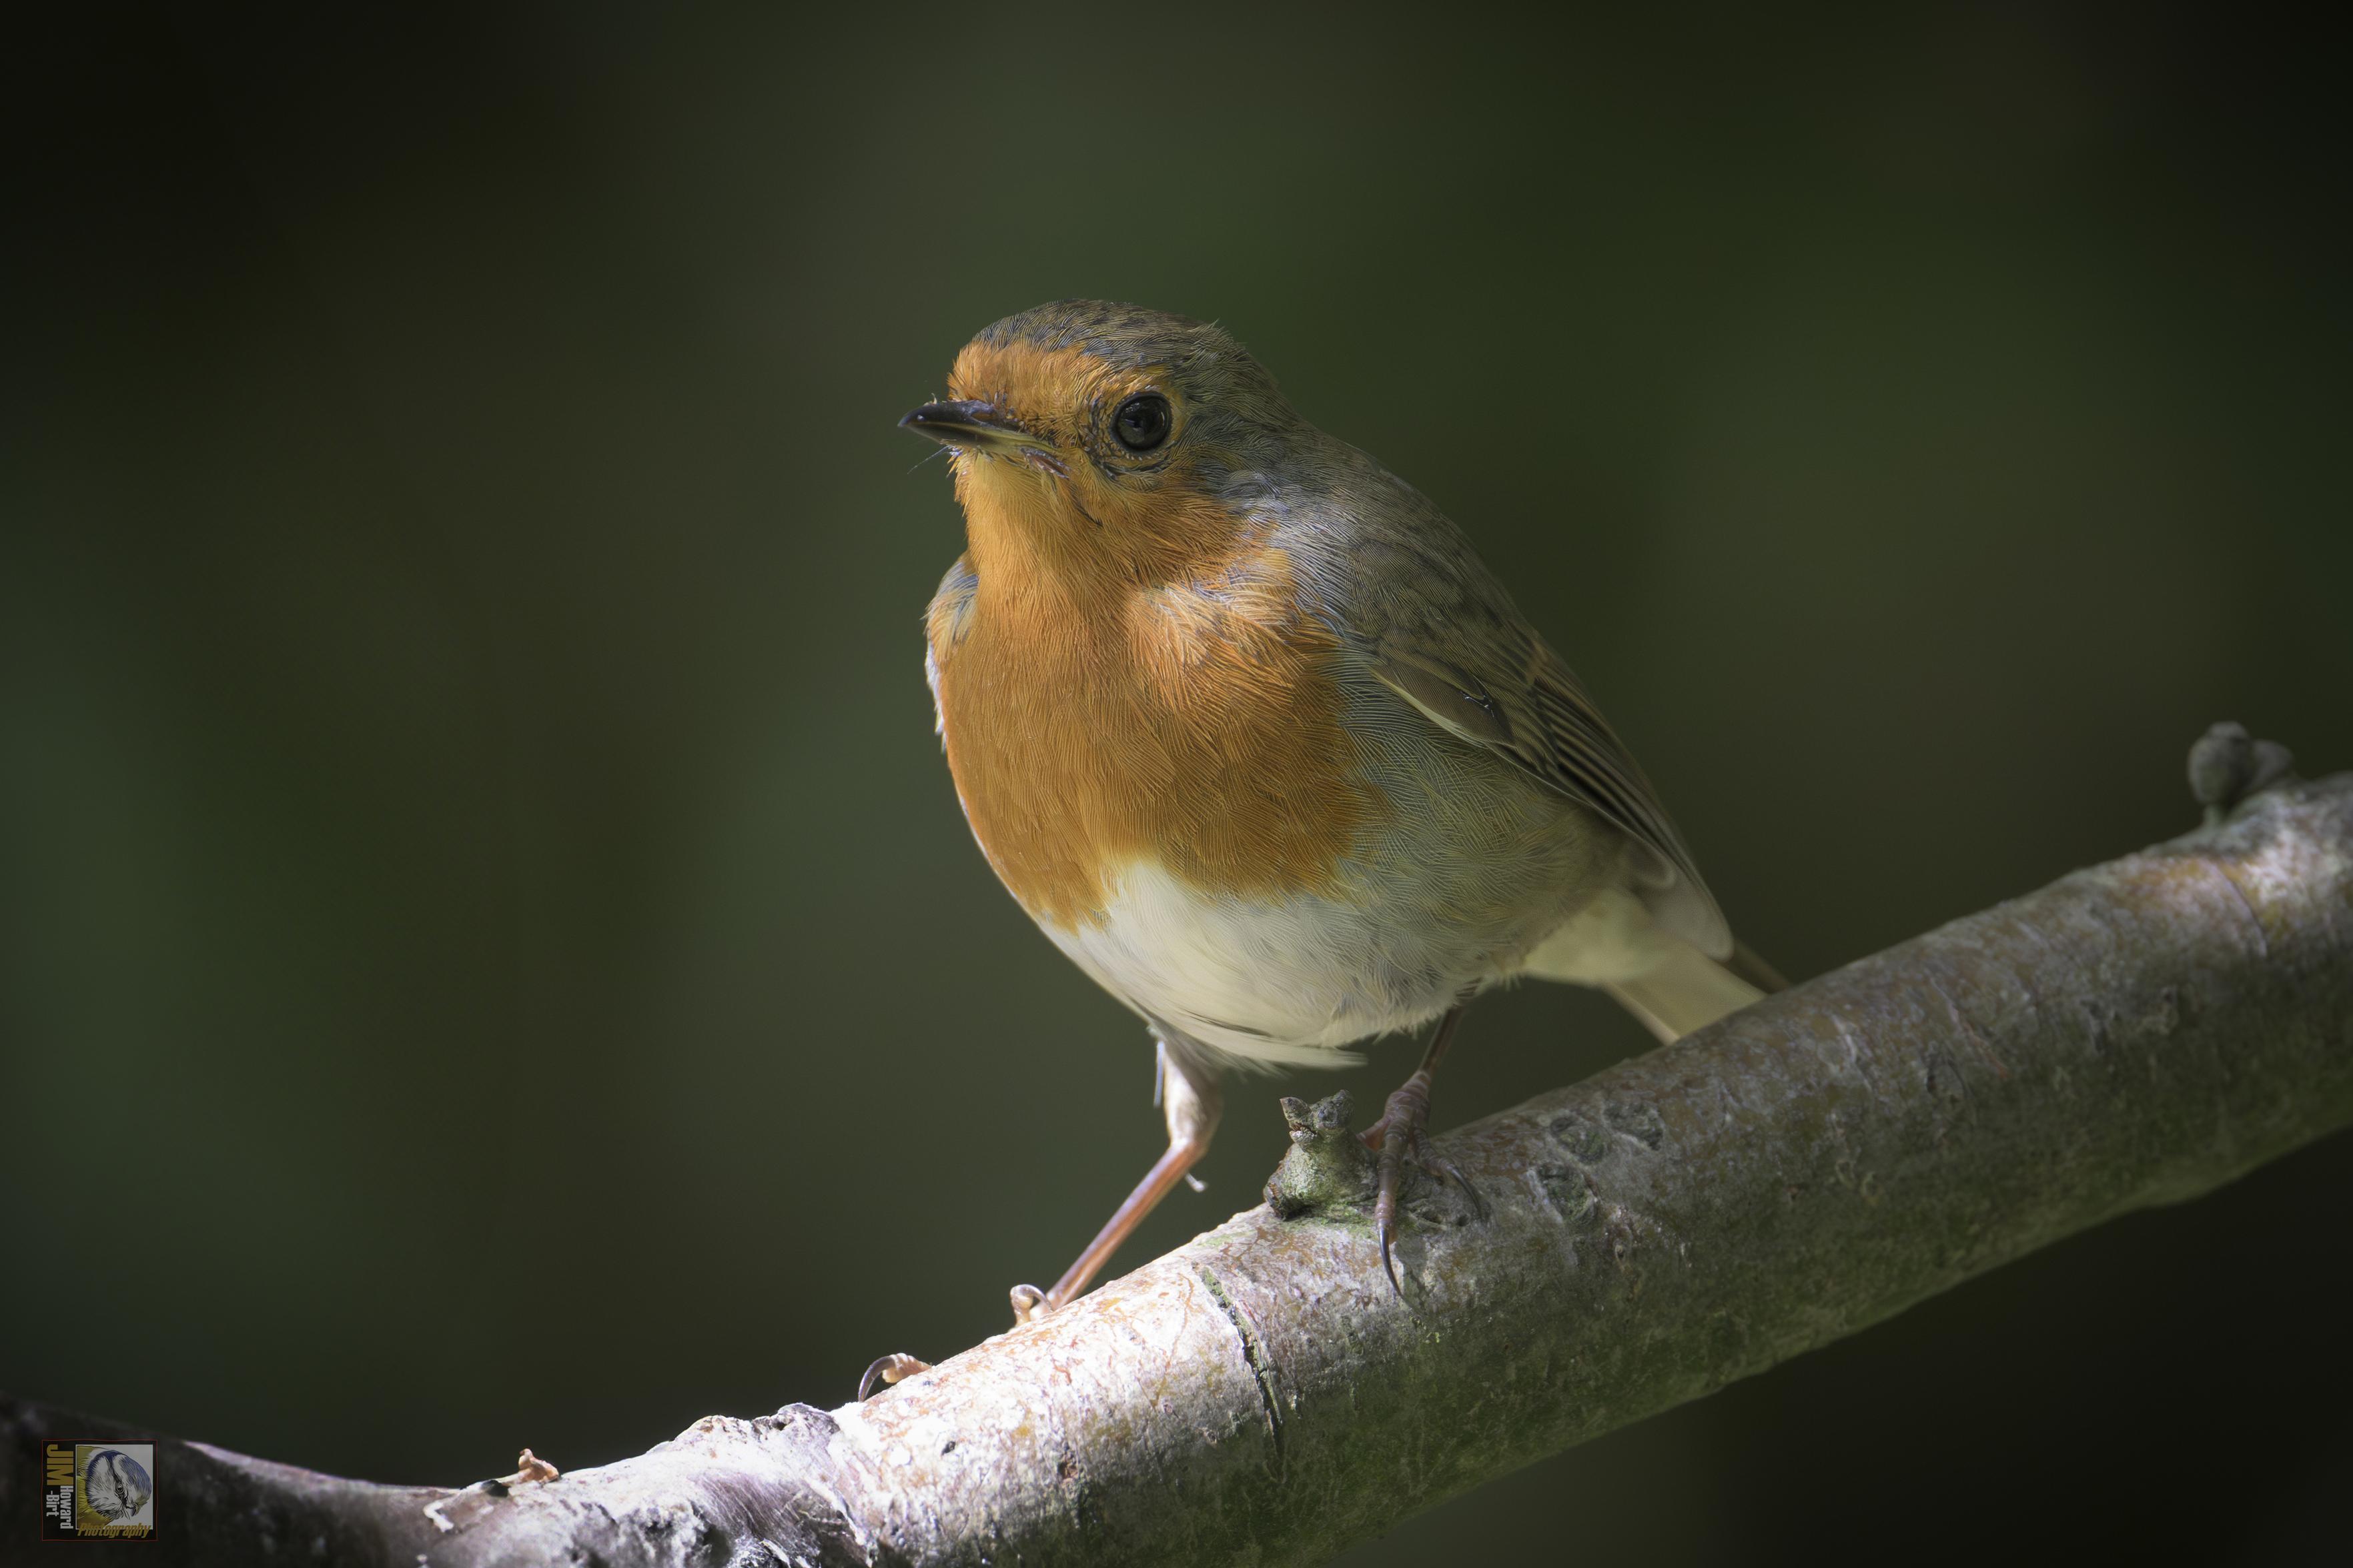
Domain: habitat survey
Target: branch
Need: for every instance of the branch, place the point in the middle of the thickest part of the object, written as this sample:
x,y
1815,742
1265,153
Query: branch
x,y
2134,1034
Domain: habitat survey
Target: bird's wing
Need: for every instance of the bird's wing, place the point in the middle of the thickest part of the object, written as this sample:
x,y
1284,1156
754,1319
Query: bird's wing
x,y
1449,641
944,624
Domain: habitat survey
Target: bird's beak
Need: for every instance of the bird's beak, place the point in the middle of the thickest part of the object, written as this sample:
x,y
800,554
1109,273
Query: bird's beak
x,y
967,424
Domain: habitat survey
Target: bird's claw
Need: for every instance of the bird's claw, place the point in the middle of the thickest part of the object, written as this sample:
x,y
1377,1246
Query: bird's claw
x,y
1393,1150
1452,1173
890,1369
529,1468
1396,1139
1030,1303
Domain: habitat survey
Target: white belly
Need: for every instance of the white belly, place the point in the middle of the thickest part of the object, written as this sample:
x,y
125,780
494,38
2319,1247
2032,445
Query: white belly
x,y
1289,980
1270,979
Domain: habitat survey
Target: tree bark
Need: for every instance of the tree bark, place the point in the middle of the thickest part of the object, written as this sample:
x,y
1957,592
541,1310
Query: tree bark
x,y
2135,1034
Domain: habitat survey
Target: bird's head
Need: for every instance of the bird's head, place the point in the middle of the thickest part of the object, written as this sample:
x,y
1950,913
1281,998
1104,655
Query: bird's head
x,y
1102,440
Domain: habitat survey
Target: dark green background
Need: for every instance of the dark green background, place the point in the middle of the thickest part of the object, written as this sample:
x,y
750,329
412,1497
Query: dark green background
x,y
489,953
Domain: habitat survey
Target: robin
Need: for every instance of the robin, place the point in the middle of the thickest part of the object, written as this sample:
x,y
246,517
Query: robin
x,y
1245,726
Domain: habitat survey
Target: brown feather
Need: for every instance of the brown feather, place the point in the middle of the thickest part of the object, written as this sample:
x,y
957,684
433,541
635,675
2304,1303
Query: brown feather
x,y
1149,691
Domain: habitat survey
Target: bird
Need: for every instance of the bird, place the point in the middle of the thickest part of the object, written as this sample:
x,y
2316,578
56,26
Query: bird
x,y
1245,725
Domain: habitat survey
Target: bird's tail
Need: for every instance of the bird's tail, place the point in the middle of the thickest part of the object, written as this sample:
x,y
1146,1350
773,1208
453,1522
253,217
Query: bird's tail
x,y
1690,990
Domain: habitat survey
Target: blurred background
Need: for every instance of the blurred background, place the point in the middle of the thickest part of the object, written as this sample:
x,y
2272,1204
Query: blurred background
x,y
488,951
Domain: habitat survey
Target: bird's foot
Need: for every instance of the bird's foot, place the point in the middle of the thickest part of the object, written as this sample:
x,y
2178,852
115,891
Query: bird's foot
x,y
529,1468
1396,1139
890,1369
1030,1303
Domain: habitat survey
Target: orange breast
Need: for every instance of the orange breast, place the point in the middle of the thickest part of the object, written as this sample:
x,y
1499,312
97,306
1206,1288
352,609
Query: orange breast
x,y
1197,725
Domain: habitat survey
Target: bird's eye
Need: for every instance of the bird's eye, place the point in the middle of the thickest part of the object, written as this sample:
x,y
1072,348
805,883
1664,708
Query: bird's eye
x,y
1142,421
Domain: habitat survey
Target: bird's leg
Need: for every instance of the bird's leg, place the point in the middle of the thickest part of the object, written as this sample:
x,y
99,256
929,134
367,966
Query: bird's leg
x,y
1191,1098
1397,1136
